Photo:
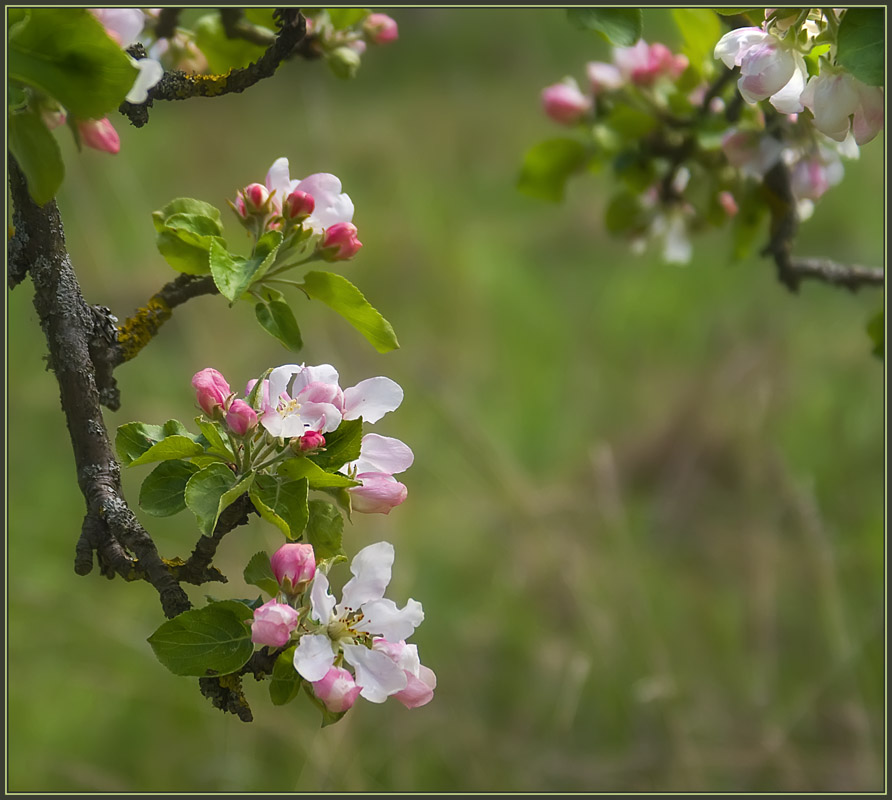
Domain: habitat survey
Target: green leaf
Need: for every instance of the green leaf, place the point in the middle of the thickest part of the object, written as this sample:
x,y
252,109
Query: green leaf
x,y
185,230
210,490
285,682
547,166
631,123
163,492
341,445
876,330
222,52
318,478
700,29
37,153
169,448
233,275
342,296
625,214
619,26
135,438
325,529
217,444
66,53
282,503
213,640
259,573
277,318
342,18
860,45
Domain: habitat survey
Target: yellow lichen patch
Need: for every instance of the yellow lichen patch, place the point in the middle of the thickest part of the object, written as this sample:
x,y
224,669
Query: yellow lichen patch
x,y
139,329
210,85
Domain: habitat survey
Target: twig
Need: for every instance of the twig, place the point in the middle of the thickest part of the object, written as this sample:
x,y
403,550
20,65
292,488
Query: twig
x,y
179,85
851,276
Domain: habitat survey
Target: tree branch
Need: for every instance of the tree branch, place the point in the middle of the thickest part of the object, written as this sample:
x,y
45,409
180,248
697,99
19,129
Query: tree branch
x,y
110,527
179,85
850,276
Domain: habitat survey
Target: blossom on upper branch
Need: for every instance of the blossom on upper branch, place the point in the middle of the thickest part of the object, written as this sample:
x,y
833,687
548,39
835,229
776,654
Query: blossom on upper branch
x,y
769,67
834,97
380,458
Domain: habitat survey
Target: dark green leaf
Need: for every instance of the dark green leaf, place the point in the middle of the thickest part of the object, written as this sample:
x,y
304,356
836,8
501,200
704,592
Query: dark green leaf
x,y
860,46
325,529
297,468
277,318
37,153
135,438
259,573
213,640
341,295
619,26
66,53
285,681
547,166
341,446
282,503
210,490
163,492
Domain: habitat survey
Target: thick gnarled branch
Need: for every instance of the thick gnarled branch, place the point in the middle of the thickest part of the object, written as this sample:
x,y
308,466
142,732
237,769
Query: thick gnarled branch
x,y
179,85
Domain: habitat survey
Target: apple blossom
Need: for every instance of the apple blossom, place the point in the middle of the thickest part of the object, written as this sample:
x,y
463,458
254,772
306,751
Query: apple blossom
x,y
769,67
834,96
273,624
313,404
564,102
150,72
337,690
752,152
421,680
380,457
380,29
124,25
240,417
348,629
330,204
643,63
603,76
99,134
339,242
212,390
294,566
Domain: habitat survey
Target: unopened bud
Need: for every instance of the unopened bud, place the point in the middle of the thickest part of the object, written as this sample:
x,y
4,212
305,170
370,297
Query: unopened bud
x,y
298,205
344,62
339,242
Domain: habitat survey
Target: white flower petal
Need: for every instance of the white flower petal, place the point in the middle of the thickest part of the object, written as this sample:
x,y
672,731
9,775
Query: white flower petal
x,y
280,377
383,454
377,674
322,417
322,602
371,568
278,178
383,618
372,398
734,44
314,656
788,100
150,72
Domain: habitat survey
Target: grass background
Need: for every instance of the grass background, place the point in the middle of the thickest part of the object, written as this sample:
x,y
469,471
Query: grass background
x,y
646,517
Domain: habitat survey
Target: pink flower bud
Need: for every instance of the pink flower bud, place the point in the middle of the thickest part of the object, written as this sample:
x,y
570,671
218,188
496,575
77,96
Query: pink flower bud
x,y
298,205
311,440
421,680
564,102
728,203
380,29
240,417
211,389
339,242
378,494
294,565
255,195
337,690
99,134
239,206
273,623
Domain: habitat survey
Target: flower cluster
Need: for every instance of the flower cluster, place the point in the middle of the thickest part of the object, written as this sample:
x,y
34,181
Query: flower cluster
x,y
365,631
290,412
341,37
309,210
772,66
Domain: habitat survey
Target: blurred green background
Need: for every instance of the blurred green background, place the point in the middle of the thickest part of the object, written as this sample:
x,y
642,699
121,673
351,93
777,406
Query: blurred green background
x,y
646,516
